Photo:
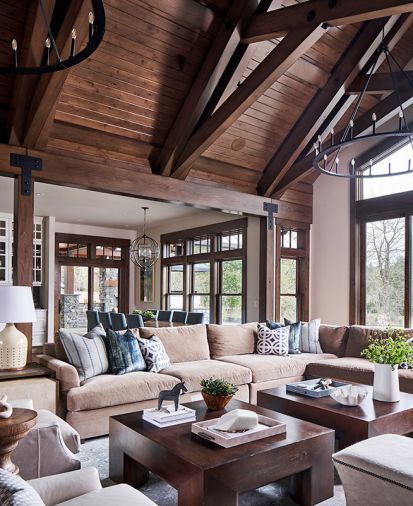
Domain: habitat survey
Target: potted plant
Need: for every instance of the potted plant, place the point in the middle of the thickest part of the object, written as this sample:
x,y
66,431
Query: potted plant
x,y
387,353
146,315
217,393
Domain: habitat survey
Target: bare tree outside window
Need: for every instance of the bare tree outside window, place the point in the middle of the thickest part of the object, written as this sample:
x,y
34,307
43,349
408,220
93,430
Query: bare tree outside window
x,y
385,275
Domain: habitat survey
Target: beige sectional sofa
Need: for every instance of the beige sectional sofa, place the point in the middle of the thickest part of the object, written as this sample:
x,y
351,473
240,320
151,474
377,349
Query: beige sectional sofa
x,y
202,351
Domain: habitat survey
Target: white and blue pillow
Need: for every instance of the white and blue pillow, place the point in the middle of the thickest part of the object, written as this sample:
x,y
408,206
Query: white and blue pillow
x,y
273,341
154,353
123,352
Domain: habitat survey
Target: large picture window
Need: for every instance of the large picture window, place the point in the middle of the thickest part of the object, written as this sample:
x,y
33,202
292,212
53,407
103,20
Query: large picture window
x,y
208,274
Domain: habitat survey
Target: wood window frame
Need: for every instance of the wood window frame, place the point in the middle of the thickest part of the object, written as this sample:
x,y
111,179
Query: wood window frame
x,y
214,257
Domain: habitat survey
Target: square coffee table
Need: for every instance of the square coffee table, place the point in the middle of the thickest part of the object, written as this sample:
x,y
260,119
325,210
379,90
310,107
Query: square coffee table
x,y
205,474
351,424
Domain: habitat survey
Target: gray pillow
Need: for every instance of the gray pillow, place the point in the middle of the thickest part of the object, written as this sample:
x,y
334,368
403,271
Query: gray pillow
x,y
154,353
14,491
87,353
309,337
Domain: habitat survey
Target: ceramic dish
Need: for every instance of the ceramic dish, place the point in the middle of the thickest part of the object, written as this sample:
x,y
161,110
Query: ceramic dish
x,y
349,396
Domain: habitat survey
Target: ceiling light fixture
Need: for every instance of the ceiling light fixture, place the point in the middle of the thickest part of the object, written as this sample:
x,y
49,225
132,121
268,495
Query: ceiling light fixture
x,y
96,30
329,152
144,251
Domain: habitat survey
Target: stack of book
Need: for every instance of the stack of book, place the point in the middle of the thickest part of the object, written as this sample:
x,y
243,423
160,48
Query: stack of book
x,y
167,416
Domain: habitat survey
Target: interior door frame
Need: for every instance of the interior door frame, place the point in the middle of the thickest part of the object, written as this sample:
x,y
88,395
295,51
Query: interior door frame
x,y
91,262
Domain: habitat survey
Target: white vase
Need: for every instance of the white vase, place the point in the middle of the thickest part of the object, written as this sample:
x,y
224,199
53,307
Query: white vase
x,y
386,383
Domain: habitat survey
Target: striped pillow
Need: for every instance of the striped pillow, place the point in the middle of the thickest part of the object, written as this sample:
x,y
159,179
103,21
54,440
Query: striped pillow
x,y
87,353
309,337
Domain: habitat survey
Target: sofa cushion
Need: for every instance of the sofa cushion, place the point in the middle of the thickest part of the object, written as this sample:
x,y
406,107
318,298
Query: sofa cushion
x,y
182,344
359,336
334,339
193,372
109,390
357,370
309,336
232,339
273,367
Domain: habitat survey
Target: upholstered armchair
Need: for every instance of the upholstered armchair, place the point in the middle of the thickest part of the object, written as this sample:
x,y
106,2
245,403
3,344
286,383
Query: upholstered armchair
x,y
83,488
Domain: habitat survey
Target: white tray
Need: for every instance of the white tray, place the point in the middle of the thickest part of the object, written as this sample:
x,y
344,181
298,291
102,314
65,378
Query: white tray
x,y
266,427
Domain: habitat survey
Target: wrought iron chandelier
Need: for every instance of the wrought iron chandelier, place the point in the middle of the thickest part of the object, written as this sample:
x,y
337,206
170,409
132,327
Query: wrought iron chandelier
x,y
328,151
144,251
53,60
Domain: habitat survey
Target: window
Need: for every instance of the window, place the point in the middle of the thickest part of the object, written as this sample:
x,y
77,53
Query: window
x,y
289,238
288,288
230,291
213,283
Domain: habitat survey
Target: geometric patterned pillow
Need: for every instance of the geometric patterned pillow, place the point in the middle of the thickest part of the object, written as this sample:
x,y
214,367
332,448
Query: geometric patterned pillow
x,y
154,354
273,342
123,352
14,491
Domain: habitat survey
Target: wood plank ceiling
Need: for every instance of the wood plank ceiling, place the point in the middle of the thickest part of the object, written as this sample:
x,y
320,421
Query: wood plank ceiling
x,y
119,106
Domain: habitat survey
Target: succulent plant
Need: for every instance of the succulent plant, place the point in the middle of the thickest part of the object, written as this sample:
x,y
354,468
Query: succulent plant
x,y
218,387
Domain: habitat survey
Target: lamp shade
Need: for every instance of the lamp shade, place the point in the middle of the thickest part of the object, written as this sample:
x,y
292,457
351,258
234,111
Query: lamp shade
x,y
16,304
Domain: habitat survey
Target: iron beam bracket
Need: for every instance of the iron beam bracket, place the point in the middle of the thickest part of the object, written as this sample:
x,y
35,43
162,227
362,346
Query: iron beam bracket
x,y
27,165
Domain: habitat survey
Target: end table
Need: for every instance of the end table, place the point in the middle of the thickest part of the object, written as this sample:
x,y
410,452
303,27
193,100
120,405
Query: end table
x,y
11,431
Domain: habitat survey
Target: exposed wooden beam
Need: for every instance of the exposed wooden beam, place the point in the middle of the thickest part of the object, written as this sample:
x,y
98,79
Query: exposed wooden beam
x,y
364,44
381,82
31,54
270,69
76,173
215,63
49,87
278,23
385,110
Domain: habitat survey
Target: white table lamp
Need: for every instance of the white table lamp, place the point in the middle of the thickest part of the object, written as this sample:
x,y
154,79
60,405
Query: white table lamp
x,y
16,306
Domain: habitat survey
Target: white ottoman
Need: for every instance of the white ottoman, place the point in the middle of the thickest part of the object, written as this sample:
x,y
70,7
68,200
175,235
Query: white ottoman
x,y
377,471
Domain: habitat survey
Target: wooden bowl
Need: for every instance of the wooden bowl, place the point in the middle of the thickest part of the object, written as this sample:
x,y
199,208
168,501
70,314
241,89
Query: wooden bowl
x,y
216,402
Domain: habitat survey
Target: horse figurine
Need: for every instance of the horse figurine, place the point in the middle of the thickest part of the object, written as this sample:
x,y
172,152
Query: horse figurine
x,y
172,395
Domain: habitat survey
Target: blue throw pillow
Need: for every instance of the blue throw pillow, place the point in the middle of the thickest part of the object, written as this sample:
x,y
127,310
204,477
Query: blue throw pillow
x,y
123,352
273,325
294,338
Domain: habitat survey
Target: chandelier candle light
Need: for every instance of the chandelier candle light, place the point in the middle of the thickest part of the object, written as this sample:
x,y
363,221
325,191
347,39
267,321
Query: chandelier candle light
x,y
144,250
327,152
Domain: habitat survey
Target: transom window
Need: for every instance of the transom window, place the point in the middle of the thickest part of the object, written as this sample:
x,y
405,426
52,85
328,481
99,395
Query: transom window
x,y
201,245
231,240
174,249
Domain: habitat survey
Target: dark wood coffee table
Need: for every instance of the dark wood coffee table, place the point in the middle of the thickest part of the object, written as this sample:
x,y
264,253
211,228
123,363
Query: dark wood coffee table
x,y
352,424
205,474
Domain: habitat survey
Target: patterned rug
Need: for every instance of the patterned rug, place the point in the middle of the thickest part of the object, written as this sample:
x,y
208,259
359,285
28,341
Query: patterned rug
x,y
95,452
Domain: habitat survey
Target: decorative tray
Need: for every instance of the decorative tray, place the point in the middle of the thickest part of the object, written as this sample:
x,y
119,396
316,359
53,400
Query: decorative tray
x,y
307,388
266,427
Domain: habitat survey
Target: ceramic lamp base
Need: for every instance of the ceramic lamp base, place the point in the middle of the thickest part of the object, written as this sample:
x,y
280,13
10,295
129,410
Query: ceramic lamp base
x,y
13,348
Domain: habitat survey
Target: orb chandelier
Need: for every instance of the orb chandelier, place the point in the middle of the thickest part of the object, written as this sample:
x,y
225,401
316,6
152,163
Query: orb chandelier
x,y
53,60
144,251
328,152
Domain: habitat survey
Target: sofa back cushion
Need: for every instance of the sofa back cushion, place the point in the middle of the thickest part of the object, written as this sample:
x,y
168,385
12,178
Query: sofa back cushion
x,y
227,340
182,344
359,336
334,339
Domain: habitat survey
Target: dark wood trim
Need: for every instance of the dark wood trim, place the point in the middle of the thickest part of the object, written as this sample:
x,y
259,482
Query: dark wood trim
x,y
407,271
361,320
267,281
386,207
381,82
214,228
354,287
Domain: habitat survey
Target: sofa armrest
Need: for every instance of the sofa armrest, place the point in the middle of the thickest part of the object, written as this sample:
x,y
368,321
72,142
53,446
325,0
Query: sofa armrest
x,y
63,487
65,373
43,452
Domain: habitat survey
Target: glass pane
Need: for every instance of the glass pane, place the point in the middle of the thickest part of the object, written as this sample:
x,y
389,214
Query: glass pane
x,y
176,302
72,250
385,252
225,242
294,239
200,304
205,242
285,239
82,251
117,253
201,278
240,239
288,307
232,276
107,252
288,275
105,289
73,297
176,278
62,249
2,228
196,247
99,251
231,309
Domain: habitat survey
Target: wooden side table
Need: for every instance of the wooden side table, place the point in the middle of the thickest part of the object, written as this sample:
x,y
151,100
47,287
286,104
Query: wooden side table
x,y
11,431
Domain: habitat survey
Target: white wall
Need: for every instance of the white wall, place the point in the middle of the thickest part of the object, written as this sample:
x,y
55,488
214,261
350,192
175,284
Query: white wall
x,y
330,251
253,235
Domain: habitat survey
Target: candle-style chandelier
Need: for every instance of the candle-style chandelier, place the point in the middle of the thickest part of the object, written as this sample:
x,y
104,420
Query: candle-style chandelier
x,y
53,60
144,251
328,151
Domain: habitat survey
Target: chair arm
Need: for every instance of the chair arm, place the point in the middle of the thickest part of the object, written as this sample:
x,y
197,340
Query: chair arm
x,y
66,374
43,452
63,487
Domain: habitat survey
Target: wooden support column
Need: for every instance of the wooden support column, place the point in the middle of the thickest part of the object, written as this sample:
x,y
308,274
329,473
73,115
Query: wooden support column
x,y
267,272
23,248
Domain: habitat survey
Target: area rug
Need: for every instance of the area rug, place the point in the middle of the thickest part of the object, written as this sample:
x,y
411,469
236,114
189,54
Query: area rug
x,y
95,452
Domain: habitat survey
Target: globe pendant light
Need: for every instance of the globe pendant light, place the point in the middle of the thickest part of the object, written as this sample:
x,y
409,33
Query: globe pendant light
x,y
144,251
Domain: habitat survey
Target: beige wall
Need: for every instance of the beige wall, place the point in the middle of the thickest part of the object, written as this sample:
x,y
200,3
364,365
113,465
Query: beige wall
x,y
253,235
330,251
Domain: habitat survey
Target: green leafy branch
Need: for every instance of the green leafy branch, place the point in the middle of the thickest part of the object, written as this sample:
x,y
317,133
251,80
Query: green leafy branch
x,y
391,349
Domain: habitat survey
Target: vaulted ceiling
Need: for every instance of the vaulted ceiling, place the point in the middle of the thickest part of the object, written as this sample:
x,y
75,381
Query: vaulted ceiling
x,y
227,94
